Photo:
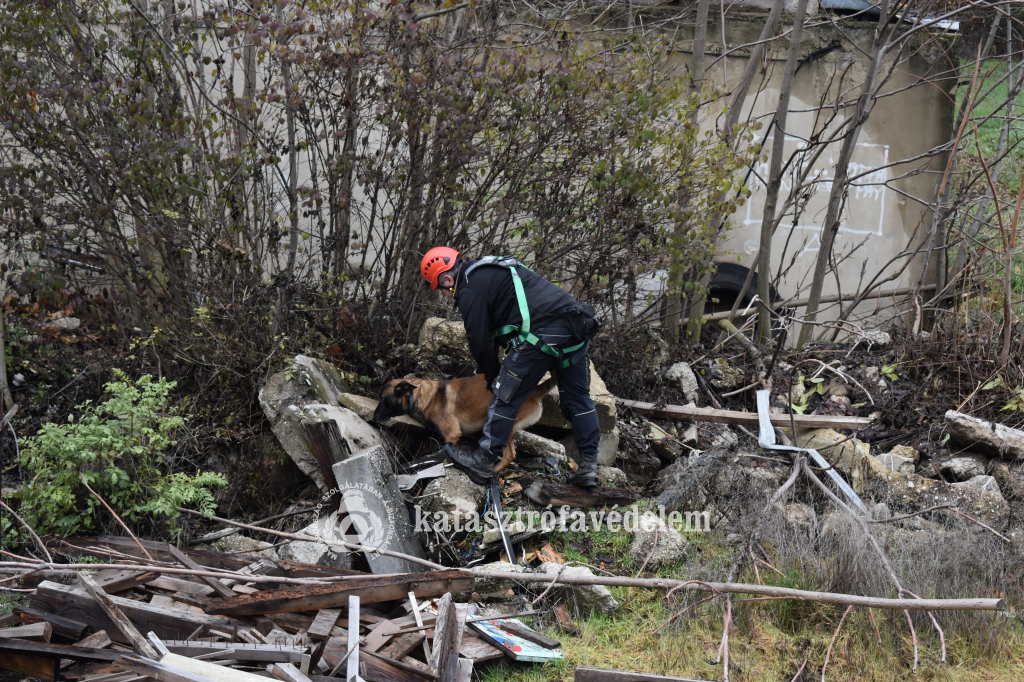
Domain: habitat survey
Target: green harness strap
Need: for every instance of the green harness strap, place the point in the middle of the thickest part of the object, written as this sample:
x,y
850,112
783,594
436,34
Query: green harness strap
x,y
525,335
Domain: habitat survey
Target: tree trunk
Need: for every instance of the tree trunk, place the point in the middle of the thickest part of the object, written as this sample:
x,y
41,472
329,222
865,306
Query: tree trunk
x,y
696,310
775,173
675,288
837,197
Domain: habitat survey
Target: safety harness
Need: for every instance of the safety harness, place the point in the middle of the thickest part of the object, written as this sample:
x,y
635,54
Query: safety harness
x,y
523,333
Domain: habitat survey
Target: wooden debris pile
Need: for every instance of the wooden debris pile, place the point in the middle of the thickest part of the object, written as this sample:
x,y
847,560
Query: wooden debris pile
x,y
158,613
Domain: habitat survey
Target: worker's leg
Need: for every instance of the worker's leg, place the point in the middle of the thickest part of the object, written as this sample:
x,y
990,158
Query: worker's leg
x,y
578,407
520,374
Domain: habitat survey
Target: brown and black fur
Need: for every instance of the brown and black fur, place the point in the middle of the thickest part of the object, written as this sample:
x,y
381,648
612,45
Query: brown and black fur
x,y
454,407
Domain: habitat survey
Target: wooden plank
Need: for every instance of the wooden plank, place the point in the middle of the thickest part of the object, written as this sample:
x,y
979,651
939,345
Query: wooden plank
x,y
127,628
465,673
286,672
210,671
451,622
476,649
63,628
263,653
320,628
58,651
113,580
415,670
166,623
183,559
588,674
369,589
707,414
328,447
377,669
95,545
400,647
39,667
528,634
380,636
36,632
171,584
352,647
97,640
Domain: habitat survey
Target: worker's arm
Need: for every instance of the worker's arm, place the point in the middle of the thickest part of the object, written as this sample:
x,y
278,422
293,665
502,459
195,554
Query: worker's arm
x,y
477,319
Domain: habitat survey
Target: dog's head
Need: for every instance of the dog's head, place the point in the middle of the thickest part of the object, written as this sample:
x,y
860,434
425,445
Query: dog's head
x,y
394,400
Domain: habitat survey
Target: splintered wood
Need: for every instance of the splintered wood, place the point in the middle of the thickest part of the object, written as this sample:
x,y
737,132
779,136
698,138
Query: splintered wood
x,y
210,618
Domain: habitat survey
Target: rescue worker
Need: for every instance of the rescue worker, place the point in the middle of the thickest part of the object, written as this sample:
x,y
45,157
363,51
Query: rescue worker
x,y
555,337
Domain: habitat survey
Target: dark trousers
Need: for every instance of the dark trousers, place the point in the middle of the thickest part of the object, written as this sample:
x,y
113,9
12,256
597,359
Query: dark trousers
x,y
520,374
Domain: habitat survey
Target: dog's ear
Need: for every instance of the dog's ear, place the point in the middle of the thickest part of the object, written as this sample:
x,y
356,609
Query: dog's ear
x,y
403,388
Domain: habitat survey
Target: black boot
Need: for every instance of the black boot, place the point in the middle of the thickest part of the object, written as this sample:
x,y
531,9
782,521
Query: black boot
x,y
478,464
586,475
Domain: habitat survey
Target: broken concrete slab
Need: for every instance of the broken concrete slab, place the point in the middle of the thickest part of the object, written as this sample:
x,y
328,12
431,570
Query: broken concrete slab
x,y
989,438
308,391
682,377
607,448
603,400
376,513
582,598
531,445
454,494
657,542
439,336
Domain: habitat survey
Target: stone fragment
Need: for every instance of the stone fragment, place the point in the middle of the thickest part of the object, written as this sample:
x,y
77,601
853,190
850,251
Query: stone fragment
x,y
64,324
365,407
439,336
604,401
848,456
238,543
799,517
873,378
963,466
1009,474
663,444
493,535
531,445
985,437
454,494
723,439
580,598
880,512
607,448
317,552
611,477
497,588
724,377
906,452
983,496
671,546
681,376
894,462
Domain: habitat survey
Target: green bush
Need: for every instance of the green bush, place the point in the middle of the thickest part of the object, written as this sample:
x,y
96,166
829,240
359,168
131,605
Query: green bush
x,y
117,447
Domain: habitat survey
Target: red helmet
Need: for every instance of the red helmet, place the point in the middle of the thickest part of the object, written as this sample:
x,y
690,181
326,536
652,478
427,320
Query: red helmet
x,y
438,260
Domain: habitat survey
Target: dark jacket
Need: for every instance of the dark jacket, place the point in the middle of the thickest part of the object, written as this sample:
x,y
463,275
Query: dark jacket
x,y
487,301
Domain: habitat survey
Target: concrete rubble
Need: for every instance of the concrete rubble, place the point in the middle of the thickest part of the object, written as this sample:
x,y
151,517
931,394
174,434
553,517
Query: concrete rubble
x,y
657,543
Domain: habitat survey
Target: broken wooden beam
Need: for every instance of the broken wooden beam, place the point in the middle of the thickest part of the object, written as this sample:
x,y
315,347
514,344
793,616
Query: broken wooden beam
x,y
332,595
286,672
40,667
76,603
262,653
707,414
139,643
63,628
36,632
557,495
529,635
59,651
320,628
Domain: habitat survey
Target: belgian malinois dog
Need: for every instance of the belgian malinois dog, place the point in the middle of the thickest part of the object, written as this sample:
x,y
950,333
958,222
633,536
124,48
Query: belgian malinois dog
x,y
453,407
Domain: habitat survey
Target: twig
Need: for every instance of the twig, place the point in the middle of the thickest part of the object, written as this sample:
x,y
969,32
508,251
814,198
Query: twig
x,y
800,670
935,624
687,608
878,633
907,516
913,637
988,528
828,652
123,524
725,634
22,522
217,535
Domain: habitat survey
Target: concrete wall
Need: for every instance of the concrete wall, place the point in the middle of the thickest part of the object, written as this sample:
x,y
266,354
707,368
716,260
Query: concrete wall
x,y
887,208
